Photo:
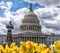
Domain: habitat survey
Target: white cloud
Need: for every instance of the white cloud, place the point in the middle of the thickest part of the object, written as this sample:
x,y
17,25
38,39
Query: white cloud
x,y
15,17
9,4
45,2
2,3
6,5
49,18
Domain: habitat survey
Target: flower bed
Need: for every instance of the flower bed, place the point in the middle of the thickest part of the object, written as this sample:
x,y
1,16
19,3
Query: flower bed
x,y
31,47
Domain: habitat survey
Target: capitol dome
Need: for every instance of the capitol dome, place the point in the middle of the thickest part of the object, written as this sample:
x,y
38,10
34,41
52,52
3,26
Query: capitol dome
x,y
30,22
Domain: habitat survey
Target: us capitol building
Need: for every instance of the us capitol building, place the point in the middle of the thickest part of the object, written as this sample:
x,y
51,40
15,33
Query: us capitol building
x,y
30,29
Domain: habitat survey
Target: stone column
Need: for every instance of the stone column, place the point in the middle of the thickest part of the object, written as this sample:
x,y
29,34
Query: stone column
x,y
34,27
24,38
29,38
30,27
36,39
43,39
21,39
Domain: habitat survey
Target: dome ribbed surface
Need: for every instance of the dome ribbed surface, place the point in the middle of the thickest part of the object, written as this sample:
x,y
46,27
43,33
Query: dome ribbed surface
x,y
30,17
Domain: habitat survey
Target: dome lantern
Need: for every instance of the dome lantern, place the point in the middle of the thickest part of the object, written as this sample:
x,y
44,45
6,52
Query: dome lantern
x,y
30,7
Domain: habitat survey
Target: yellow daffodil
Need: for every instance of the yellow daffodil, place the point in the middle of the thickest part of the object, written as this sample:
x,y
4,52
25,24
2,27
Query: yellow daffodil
x,y
57,44
30,47
47,50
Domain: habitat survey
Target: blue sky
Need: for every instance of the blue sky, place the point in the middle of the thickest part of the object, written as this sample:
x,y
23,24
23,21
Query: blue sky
x,y
48,12
21,4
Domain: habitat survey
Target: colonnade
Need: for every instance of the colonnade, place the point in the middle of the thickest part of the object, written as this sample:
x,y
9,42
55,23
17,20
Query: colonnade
x,y
35,39
37,28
